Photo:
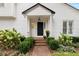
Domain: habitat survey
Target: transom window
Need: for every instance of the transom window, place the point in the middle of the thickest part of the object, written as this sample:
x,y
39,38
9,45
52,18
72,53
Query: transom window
x,y
67,27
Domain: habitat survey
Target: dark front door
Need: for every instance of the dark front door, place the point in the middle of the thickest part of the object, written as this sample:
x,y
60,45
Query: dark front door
x,y
39,28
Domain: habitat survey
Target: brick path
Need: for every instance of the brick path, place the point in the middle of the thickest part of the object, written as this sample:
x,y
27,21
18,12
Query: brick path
x,y
40,49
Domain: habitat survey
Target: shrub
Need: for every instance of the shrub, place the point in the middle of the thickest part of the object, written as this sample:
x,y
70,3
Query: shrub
x,y
22,38
25,45
65,39
75,39
53,44
30,40
50,38
9,38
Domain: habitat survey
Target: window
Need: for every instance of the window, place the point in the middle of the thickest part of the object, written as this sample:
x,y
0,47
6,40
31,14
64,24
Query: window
x,y
67,27
70,27
1,4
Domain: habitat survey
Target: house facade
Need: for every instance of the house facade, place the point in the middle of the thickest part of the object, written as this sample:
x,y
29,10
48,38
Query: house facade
x,y
33,19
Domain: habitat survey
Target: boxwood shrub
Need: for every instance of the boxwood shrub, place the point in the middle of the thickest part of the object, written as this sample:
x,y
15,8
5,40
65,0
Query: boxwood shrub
x,y
52,43
25,45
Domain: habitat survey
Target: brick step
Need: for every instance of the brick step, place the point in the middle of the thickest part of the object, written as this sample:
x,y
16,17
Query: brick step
x,y
40,44
40,41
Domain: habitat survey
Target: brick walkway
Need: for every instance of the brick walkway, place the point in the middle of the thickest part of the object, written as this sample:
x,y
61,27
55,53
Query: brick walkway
x,y
40,49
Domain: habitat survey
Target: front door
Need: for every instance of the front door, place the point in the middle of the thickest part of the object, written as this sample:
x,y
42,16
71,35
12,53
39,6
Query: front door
x,y
40,28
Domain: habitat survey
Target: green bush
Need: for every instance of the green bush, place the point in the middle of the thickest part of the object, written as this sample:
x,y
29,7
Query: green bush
x,y
22,38
25,45
53,44
50,38
30,40
9,38
65,39
75,39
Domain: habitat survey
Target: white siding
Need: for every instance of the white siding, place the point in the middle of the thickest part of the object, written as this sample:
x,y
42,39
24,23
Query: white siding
x,y
63,12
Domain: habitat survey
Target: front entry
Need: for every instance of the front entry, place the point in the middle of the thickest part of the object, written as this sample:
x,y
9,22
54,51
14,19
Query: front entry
x,y
39,28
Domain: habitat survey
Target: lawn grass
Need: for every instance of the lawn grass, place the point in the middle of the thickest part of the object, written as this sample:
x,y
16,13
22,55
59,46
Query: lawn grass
x,y
64,54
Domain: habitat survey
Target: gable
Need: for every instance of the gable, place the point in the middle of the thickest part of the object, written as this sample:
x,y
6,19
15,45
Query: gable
x,y
38,8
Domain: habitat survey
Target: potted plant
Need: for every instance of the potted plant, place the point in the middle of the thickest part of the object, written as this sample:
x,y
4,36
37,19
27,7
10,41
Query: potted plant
x,y
47,33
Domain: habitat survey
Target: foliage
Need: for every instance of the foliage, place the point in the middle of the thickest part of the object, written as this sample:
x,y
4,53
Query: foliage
x,y
25,45
65,39
9,38
30,40
52,43
66,49
22,38
65,54
76,45
75,39
50,38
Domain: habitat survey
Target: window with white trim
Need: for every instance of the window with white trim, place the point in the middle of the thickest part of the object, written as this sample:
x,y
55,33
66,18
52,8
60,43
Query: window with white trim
x,y
1,4
67,27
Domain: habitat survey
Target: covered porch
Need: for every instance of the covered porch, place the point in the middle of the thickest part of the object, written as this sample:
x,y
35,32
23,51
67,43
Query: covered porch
x,y
38,19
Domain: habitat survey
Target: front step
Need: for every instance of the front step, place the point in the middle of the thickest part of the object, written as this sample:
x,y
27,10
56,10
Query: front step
x,y
40,42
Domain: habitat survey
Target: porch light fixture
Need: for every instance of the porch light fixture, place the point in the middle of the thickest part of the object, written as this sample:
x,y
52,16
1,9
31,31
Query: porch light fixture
x,y
39,19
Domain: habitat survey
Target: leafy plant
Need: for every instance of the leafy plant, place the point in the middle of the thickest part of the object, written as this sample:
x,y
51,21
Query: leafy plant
x,y
50,38
22,38
76,45
52,43
25,45
9,38
65,39
66,49
47,33
75,39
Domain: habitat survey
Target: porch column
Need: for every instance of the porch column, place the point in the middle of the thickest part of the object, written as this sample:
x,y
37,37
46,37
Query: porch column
x,y
28,26
51,25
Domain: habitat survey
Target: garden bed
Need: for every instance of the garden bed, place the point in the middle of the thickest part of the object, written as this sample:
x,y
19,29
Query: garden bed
x,y
12,43
57,53
65,45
